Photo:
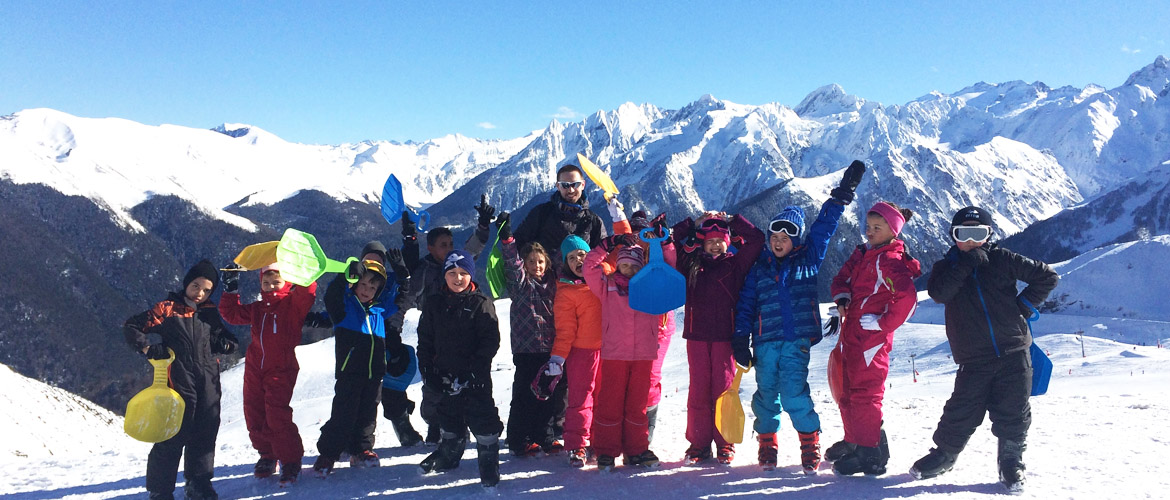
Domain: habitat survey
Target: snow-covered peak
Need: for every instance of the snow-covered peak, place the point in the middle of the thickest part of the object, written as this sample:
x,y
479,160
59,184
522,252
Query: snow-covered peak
x,y
248,133
1154,76
828,100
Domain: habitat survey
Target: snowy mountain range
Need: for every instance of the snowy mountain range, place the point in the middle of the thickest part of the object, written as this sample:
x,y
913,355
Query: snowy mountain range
x,y
116,210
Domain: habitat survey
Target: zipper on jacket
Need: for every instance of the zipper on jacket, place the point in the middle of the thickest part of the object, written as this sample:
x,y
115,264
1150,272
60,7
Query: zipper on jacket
x,y
263,353
986,314
370,367
346,362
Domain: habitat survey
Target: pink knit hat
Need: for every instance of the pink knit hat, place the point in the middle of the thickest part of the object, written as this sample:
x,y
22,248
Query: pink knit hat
x,y
632,255
892,216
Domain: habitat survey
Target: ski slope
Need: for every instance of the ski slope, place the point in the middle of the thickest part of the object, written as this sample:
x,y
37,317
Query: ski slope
x,y
1098,433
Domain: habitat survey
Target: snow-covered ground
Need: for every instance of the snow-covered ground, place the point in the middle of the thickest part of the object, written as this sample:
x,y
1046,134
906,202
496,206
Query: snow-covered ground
x,y
1098,433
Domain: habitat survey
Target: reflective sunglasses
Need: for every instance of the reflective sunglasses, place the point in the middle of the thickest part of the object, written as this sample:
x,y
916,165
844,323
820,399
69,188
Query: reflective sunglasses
x,y
970,233
570,185
784,226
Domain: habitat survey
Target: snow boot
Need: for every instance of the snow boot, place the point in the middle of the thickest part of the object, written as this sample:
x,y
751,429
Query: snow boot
x,y
605,463
552,447
366,458
487,449
577,457
696,454
407,436
651,419
447,456
810,451
726,454
864,459
647,459
935,463
265,467
289,474
839,450
1011,465
162,496
768,451
199,488
323,466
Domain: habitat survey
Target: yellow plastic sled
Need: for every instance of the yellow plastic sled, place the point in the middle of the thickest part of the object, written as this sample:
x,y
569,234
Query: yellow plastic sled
x,y
254,257
598,176
729,417
155,414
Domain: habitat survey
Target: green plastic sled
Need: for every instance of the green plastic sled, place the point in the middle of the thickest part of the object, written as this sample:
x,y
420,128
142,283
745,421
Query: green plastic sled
x,y
302,260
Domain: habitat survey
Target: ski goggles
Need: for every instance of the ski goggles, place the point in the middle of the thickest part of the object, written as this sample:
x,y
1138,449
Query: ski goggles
x,y
570,185
784,226
970,233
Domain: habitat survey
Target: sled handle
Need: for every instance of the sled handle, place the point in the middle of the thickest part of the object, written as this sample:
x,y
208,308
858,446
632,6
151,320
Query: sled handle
x,y
655,250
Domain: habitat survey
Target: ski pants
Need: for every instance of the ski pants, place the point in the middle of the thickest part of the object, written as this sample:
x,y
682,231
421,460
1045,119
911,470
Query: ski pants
x,y
353,418
999,388
712,369
865,360
531,420
581,368
195,441
656,369
472,408
782,383
619,419
269,416
395,403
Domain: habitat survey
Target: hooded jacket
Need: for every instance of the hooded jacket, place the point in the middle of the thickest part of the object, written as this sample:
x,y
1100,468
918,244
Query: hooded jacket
x,y
878,281
550,222
985,315
360,330
458,333
626,334
276,321
778,300
712,292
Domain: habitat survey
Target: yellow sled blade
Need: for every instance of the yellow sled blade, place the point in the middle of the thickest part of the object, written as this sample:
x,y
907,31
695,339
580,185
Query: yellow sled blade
x,y
599,177
729,416
256,256
155,414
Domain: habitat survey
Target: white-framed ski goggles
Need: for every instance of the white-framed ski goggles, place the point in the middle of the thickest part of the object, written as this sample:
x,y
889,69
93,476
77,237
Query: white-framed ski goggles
x,y
970,233
784,226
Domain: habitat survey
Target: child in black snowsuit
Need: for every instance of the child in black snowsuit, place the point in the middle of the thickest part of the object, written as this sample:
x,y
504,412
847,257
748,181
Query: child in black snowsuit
x,y
188,323
458,335
990,340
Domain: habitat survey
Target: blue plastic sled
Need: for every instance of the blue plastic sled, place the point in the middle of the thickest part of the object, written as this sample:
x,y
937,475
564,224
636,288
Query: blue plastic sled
x,y
393,205
410,376
657,288
1041,365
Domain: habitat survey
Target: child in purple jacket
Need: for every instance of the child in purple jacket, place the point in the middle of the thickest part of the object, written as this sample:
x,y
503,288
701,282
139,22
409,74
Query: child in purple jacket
x,y
714,277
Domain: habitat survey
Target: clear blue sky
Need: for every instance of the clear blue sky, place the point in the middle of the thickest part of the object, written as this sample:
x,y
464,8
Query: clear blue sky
x,y
333,72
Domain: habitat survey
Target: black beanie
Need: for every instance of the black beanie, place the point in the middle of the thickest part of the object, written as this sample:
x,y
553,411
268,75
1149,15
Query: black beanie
x,y
202,269
374,247
972,214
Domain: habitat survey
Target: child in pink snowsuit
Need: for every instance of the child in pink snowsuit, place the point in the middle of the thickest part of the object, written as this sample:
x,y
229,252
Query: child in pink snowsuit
x,y
714,279
629,346
875,294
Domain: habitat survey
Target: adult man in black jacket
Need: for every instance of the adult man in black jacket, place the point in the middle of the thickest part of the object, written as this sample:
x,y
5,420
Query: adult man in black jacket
x,y
989,336
566,213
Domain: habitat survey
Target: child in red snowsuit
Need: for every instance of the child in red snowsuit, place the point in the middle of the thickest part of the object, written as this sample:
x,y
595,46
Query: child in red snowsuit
x,y
875,294
270,366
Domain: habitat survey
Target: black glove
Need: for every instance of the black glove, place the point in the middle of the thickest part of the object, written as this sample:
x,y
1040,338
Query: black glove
x,y
230,278
741,351
408,229
660,227
157,351
355,270
397,264
485,211
975,257
224,344
613,241
318,320
504,221
852,176
397,359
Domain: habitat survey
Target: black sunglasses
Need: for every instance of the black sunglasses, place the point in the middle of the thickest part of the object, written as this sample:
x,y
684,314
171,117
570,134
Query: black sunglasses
x,y
570,185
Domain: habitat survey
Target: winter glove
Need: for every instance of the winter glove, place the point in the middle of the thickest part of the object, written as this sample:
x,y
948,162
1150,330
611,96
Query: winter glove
x,y
617,212
397,360
870,322
157,351
318,320
225,343
504,222
741,351
230,278
612,242
355,270
394,258
660,227
975,257
831,327
556,366
485,211
408,228
849,181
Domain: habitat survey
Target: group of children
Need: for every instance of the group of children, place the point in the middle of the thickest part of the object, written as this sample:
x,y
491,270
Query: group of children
x,y
588,366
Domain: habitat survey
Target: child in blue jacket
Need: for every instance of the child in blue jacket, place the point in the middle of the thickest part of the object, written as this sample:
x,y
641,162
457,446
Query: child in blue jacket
x,y
778,313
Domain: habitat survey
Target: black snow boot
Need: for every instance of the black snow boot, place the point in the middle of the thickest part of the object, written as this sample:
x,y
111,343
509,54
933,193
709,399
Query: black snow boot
x,y
447,456
488,450
407,436
839,450
157,495
935,463
200,489
864,459
1011,465
651,419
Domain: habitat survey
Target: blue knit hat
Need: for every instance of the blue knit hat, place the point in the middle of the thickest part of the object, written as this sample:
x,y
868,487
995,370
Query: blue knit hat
x,y
572,242
461,259
792,218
